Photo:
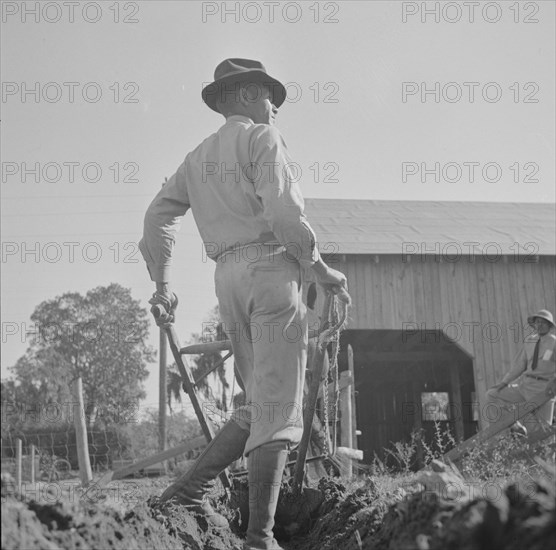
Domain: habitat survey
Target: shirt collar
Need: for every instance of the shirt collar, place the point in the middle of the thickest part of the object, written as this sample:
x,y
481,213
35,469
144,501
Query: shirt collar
x,y
239,118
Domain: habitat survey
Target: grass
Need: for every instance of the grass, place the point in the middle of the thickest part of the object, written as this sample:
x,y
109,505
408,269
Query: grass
x,y
503,460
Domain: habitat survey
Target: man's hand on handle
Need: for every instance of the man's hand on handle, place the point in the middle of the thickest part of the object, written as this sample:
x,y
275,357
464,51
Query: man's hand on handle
x,y
332,280
164,303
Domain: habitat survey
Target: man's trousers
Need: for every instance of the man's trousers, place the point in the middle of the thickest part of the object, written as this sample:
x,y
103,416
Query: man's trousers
x,y
499,402
259,295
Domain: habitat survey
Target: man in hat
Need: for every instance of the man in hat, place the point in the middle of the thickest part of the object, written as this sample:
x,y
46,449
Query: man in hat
x,y
249,212
535,367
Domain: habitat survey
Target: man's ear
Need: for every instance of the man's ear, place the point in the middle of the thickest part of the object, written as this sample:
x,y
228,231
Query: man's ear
x,y
243,96
249,93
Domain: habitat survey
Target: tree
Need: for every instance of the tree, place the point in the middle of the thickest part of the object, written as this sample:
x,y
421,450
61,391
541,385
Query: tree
x,y
99,337
173,386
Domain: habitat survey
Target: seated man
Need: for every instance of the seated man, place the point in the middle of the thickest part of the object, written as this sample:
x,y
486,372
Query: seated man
x,y
535,367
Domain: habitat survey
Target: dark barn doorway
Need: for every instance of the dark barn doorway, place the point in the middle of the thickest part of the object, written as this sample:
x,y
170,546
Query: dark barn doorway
x,y
406,382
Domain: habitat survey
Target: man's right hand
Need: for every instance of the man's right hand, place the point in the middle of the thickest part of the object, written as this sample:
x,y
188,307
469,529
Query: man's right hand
x,y
168,301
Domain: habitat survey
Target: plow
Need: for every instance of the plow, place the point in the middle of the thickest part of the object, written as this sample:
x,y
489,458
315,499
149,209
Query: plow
x,y
299,500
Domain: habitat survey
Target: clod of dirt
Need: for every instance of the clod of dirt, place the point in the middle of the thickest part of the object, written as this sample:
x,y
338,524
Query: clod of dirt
x,y
532,521
27,525
345,519
193,530
479,524
446,481
21,529
521,516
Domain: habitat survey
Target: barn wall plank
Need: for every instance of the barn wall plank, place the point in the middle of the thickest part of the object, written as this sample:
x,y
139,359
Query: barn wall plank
x,y
389,271
506,316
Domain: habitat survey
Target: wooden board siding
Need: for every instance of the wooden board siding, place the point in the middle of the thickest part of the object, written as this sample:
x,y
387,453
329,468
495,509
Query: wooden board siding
x,y
391,293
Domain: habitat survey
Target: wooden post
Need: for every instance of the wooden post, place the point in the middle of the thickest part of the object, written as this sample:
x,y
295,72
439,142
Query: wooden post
x,y
85,472
416,407
351,369
162,386
32,454
505,421
18,462
457,407
346,428
162,391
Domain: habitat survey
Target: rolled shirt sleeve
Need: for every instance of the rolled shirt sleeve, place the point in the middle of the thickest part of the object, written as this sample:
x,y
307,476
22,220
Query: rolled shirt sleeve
x,y
162,221
275,185
519,366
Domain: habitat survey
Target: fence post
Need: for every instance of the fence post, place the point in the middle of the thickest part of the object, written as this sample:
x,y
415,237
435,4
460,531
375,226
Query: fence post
x,y
85,472
351,369
346,433
18,462
32,454
162,392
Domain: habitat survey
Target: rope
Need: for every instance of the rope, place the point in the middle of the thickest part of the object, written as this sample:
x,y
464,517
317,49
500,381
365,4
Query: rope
x,y
326,449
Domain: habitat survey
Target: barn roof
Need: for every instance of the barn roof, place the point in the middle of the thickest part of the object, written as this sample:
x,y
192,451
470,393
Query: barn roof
x,y
382,227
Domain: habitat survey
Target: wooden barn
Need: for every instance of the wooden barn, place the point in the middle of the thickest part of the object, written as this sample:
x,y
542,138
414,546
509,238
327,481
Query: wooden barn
x,y
441,293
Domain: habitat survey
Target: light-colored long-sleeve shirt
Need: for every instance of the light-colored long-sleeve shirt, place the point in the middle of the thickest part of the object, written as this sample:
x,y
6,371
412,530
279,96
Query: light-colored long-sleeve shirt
x,y
546,365
241,188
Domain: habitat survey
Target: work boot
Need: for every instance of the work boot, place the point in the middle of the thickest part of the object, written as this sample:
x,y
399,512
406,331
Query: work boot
x,y
191,488
266,466
518,429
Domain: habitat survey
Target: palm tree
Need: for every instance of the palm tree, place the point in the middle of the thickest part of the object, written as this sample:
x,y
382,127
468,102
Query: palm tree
x,y
173,385
203,364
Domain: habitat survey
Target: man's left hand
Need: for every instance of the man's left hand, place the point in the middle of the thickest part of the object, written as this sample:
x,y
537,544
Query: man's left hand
x,y
550,389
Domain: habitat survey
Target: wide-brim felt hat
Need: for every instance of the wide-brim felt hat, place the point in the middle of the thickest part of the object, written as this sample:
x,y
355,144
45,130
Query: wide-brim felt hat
x,y
232,72
542,314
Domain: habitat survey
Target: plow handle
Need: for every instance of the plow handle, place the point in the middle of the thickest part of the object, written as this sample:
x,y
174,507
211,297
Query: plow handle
x,y
311,404
158,310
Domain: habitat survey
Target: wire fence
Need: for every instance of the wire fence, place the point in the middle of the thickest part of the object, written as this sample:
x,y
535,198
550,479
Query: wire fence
x,y
110,446
105,446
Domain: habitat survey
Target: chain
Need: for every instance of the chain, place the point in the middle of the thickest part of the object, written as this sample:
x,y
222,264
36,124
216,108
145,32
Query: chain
x,y
326,447
334,374
334,339
334,371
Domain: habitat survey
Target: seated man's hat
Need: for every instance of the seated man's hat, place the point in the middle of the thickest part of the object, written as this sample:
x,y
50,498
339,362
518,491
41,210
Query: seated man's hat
x,y
542,314
231,72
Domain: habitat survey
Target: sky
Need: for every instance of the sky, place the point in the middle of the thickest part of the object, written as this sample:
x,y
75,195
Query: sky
x,y
387,100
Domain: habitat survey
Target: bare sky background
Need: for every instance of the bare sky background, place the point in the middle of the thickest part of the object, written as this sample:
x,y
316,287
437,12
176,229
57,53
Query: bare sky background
x,y
347,122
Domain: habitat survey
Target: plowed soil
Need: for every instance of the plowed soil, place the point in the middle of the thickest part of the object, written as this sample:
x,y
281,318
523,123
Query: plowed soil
x,y
518,516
